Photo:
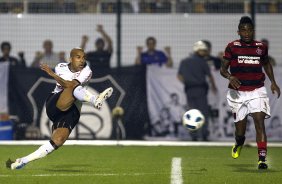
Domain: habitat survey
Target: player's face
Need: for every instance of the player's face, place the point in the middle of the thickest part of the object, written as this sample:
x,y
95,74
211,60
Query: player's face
x,y
246,32
78,60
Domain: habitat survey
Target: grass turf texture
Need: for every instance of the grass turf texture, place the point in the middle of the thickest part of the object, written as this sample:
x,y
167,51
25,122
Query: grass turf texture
x,y
128,165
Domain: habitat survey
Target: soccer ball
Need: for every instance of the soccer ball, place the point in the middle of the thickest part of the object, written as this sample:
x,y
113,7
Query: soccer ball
x,y
193,119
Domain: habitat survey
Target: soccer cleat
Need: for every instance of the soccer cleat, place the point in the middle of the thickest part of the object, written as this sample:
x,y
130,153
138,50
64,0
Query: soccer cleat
x,y
102,97
262,165
18,164
236,150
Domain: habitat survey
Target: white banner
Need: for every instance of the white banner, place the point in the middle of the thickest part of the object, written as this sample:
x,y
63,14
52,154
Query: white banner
x,y
167,103
4,74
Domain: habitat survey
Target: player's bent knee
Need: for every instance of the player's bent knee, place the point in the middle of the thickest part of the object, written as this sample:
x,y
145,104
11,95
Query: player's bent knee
x,y
59,141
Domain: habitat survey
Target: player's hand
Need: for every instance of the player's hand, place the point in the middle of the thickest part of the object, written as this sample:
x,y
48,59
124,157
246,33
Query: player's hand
x,y
47,69
85,38
234,82
274,87
100,28
139,49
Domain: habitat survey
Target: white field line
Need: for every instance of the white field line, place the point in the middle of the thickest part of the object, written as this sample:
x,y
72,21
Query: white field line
x,y
135,143
81,174
176,171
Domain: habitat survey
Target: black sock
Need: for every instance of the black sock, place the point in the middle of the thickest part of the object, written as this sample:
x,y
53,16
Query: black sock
x,y
54,145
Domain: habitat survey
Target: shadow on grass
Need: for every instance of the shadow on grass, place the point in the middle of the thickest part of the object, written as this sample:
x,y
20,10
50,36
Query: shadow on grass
x,y
77,168
250,168
196,171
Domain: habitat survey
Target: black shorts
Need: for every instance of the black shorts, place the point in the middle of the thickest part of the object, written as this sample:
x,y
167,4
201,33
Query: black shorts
x,y
61,119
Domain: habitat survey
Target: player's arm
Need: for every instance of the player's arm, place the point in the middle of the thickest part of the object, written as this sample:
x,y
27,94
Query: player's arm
x,y
61,81
234,82
269,72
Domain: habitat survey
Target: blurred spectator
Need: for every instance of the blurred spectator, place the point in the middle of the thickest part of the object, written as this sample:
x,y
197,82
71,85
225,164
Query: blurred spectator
x,y
100,58
153,56
87,6
62,57
6,49
213,62
60,6
184,6
271,59
48,57
192,73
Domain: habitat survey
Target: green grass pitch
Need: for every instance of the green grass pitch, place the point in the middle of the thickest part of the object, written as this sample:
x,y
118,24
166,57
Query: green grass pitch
x,y
144,165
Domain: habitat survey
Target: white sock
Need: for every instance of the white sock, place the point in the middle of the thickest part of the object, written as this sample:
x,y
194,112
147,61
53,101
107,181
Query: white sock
x,y
83,94
41,152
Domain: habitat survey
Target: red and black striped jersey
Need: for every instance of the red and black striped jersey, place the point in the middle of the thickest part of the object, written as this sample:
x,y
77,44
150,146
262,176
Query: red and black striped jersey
x,y
246,62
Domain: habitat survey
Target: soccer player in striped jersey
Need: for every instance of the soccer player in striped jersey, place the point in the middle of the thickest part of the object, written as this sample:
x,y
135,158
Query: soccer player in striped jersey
x,y
246,58
64,103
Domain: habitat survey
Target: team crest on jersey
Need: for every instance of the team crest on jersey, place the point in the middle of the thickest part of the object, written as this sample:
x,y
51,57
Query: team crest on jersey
x,y
237,43
259,51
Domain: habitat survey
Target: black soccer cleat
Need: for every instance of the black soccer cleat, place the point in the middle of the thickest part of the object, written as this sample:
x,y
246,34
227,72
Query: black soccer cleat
x,y
262,165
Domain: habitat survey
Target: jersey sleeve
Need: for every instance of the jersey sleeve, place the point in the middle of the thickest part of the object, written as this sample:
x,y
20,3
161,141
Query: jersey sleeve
x,y
84,76
227,53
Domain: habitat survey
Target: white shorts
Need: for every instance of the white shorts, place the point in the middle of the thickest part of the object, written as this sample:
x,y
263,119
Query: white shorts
x,y
243,103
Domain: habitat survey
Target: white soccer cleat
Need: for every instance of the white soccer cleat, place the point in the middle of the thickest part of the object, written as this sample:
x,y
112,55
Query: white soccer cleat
x,y
102,97
18,164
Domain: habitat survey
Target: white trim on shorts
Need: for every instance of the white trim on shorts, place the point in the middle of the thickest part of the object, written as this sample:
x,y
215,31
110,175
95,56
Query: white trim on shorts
x,y
244,103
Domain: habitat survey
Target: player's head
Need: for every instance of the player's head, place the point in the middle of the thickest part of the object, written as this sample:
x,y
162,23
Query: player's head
x,y
48,46
5,48
151,43
100,44
77,59
246,29
200,48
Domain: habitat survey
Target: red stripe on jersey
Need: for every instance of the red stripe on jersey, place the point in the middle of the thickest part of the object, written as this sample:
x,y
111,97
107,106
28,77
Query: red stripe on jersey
x,y
246,63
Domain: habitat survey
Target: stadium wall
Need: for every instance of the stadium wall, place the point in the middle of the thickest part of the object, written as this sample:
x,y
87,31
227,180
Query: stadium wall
x,y
180,31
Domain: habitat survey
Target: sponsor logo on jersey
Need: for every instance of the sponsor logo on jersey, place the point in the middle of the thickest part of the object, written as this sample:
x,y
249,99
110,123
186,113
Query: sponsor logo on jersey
x,y
249,59
237,43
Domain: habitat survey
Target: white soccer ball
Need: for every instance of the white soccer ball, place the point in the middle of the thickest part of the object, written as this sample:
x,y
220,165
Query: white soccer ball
x,y
193,119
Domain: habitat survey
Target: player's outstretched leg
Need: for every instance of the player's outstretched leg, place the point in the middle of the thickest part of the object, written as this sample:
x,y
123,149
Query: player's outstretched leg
x,y
102,97
84,95
41,152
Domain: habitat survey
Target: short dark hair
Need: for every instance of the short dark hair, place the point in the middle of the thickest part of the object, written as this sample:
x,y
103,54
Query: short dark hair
x,y
5,44
151,38
245,20
208,43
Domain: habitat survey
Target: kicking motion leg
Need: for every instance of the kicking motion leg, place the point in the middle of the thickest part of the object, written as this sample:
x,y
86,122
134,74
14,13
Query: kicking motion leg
x,y
239,137
59,136
261,139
